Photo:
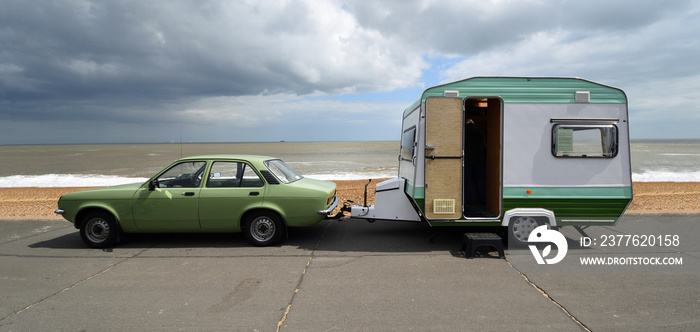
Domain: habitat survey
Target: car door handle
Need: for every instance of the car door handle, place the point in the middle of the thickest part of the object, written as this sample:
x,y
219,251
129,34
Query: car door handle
x,y
189,193
254,193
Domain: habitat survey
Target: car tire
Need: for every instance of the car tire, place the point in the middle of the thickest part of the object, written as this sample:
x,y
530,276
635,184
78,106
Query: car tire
x,y
99,230
263,228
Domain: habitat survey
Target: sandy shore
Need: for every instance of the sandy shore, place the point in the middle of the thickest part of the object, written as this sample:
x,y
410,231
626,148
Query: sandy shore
x,y
649,198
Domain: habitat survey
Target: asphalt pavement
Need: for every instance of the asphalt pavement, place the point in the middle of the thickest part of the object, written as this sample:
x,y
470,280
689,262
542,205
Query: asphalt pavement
x,y
348,276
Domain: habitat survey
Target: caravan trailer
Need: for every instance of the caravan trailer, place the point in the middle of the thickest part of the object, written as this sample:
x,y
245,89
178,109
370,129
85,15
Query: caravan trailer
x,y
509,151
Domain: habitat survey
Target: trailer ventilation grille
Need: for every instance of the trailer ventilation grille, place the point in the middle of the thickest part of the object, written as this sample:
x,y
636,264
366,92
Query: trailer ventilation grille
x,y
443,206
583,96
450,93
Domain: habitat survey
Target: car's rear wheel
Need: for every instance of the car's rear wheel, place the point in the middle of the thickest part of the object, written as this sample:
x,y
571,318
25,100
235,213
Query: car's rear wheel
x,y
99,230
263,228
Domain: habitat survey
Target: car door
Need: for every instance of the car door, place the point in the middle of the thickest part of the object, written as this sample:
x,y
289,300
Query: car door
x,y
173,203
232,188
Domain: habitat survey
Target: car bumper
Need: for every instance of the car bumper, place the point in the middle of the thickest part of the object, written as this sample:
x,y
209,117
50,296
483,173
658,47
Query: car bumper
x,y
330,208
59,211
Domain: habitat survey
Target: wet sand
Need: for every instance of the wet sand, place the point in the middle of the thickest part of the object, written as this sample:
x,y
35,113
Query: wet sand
x,y
649,198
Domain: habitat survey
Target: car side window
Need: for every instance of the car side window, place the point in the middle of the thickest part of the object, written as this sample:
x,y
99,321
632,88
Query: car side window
x,y
183,175
231,174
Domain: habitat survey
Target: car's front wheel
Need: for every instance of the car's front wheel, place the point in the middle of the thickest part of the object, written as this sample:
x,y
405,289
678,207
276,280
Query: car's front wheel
x,y
263,228
99,230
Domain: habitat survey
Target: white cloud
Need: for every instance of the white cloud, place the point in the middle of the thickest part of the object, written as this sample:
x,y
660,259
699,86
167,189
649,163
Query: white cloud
x,y
297,115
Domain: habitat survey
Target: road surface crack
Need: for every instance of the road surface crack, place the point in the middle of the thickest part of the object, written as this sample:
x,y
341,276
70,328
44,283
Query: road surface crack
x,y
72,286
551,299
301,279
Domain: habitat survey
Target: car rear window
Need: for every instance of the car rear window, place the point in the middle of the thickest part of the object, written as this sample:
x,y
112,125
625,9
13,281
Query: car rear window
x,y
282,171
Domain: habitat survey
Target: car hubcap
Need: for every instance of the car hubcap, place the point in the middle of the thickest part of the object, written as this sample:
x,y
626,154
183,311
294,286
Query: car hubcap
x,y
262,229
97,230
522,227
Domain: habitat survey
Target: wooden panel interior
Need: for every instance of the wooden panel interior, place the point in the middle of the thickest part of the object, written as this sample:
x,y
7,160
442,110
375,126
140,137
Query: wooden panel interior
x,y
486,115
493,157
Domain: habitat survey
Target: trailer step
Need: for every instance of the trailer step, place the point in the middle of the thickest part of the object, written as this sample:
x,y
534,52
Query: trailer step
x,y
472,241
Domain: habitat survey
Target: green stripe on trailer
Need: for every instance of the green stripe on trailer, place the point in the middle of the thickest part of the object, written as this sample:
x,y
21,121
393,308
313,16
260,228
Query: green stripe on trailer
x,y
574,209
577,204
533,192
550,192
527,90
415,192
464,223
571,203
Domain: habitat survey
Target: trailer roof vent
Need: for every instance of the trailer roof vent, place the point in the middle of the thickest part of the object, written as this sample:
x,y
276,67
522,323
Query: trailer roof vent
x,y
583,96
451,93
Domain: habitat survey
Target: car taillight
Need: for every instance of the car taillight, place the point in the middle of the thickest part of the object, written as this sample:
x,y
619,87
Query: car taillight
x,y
331,198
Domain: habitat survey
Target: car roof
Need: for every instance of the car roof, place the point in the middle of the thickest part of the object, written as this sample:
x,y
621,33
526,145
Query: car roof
x,y
230,156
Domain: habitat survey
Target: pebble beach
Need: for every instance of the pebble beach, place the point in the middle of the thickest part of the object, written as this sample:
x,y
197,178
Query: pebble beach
x,y
649,198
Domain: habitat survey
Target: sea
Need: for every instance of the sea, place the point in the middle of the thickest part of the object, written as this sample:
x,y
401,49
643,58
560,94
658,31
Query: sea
x,y
95,165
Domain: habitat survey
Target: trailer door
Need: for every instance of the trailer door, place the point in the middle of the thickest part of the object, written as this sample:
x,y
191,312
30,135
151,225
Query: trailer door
x,y
443,158
483,158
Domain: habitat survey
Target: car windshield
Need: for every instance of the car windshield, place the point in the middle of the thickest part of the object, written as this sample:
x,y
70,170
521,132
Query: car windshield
x,y
282,171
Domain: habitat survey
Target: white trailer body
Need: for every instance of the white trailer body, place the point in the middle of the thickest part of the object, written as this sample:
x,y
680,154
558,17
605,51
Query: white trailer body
x,y
555,150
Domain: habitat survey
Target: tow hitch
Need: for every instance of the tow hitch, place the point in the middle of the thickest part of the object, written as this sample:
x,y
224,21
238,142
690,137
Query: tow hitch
x,y
347,206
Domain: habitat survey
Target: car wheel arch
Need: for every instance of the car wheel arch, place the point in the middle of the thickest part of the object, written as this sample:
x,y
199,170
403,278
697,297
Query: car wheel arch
x,y
87,210
247,213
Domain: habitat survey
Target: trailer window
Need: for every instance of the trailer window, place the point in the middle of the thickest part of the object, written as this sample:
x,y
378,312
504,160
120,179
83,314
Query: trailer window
x,y
408,146
584,141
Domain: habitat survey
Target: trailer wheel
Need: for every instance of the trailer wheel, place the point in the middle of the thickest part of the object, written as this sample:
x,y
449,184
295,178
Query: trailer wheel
x,y
519,229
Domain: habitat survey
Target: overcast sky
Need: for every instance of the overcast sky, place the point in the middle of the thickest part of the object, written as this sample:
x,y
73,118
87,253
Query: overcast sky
x,y
83,71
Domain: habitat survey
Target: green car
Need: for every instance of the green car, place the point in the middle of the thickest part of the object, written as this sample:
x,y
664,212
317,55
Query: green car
x,y
259,196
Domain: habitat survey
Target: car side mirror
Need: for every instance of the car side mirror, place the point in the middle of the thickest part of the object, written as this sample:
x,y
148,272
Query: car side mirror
x,y
152,185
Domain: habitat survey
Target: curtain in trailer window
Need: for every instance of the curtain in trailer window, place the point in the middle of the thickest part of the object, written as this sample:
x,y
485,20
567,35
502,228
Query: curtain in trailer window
x,y
583,140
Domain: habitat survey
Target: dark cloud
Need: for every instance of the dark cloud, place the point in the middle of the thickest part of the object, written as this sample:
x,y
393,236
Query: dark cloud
x,y
134,61
469,27
158,64
163,49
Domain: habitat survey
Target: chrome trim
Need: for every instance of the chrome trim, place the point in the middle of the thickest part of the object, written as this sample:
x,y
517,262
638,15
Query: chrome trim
x,y
330,208
59,211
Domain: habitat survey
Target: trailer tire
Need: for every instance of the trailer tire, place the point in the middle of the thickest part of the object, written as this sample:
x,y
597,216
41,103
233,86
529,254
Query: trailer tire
x,y
519,229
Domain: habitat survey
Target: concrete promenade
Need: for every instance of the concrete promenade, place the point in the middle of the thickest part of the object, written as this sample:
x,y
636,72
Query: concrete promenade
x,y
349,276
